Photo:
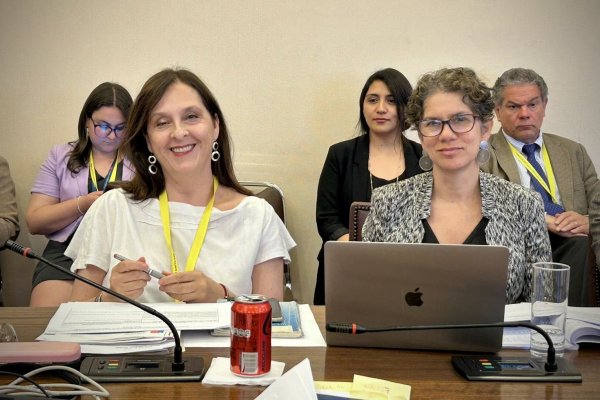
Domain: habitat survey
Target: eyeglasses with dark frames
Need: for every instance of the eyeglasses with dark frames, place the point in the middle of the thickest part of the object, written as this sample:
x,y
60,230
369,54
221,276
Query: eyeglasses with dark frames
x,y
104,129
461,123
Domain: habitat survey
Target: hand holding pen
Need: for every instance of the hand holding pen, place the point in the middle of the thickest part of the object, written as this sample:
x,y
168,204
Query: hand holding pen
x,y
154,273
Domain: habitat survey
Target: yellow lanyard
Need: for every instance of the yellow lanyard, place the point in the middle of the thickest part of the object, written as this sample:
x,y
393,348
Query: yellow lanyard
x,y
535,175
190,265
112,172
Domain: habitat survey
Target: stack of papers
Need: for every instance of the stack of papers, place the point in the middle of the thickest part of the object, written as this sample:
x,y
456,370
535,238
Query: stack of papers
x,y
582,326
117,328
289,327
311,335
117,343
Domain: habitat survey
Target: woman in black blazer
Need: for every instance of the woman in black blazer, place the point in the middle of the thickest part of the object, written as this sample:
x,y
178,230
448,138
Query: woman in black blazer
x,y
380,155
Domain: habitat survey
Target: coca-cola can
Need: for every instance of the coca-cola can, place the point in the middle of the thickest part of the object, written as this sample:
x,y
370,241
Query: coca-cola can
x,y
250,335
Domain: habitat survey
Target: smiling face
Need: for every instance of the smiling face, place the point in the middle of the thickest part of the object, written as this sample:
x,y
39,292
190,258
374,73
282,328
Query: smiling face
x,y
449,150
111,116
181,132
380,109
522,112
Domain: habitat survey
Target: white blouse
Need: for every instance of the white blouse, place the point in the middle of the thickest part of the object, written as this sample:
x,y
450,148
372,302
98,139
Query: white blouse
x,y
235,242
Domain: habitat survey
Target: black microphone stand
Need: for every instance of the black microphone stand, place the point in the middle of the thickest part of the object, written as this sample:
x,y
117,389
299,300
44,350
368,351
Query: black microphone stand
x,y
551,371
178,365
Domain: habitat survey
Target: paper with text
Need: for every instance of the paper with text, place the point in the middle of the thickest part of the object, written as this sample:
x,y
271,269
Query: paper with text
x,y
89,317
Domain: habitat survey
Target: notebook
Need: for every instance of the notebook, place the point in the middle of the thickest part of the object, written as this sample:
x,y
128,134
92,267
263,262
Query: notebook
x,y
395,284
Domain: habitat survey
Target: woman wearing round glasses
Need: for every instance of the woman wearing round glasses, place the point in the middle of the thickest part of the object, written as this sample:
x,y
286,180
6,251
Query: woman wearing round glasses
x,y
452,110
73,176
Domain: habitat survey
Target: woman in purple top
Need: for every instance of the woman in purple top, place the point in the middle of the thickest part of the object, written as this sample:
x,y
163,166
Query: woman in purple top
x,y
73,176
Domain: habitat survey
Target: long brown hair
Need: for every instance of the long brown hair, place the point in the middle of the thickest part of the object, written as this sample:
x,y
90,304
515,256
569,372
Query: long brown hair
x,y
146,185
107,94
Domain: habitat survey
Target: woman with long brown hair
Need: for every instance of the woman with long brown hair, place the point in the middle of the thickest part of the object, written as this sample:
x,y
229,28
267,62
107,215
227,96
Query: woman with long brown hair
x,y
71,179
184,213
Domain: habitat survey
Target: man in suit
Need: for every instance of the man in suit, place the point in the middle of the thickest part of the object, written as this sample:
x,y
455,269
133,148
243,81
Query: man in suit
x,y
9,219
558,168
595,231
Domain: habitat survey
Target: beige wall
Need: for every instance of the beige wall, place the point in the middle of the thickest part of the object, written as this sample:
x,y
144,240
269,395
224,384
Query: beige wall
x,y
287,73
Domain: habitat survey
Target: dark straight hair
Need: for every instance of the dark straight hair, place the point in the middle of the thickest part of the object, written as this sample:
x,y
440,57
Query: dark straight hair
x,y
398,86
107,94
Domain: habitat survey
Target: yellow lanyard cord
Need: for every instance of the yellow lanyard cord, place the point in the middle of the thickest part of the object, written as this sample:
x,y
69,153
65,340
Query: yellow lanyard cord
x,y
535,175
112,172
198,242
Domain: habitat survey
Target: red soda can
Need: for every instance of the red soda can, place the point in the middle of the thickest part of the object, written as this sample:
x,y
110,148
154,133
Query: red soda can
x,y
250,335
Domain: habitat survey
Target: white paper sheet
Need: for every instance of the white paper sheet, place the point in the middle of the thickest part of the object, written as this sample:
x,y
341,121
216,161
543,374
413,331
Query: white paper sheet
x,y
586,320
109,317
220,373
296,384
312,335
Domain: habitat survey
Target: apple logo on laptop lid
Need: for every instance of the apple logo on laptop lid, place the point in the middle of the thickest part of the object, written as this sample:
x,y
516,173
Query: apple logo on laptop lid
x,y
414,298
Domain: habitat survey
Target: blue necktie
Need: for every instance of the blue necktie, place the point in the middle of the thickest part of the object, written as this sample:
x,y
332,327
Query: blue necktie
x,y
551,207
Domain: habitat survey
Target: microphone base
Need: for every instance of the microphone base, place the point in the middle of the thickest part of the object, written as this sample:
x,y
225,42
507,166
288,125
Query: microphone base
x,y
139,368
515,369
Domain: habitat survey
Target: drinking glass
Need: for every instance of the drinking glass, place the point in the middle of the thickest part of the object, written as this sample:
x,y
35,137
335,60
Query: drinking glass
x,y
549,306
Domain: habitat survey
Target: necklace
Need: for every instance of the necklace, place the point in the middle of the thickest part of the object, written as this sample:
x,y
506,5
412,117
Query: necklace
x,y
371,180
371,175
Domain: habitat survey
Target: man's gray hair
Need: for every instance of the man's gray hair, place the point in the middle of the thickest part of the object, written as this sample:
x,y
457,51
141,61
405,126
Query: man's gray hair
x,y
518,76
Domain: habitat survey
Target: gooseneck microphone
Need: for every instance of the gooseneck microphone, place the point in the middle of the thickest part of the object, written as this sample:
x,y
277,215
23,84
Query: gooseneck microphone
x,y
195,365
549,366
485,367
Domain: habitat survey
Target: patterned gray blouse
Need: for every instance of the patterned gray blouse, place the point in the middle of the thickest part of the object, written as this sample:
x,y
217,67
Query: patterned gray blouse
x,y
515,215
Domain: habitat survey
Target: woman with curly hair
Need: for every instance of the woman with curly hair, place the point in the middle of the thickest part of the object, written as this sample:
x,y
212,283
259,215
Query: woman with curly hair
x,y
456,203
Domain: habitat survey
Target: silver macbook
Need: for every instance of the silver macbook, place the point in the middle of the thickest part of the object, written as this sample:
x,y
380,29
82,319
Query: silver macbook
x,y
378,285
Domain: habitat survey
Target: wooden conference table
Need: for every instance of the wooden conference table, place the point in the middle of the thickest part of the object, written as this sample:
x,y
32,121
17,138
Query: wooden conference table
x,y
430,374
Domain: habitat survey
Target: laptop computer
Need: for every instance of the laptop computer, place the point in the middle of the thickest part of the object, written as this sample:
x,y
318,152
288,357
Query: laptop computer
x,y
396,284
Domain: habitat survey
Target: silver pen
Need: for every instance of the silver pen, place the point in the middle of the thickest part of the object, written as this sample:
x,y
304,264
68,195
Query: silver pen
x,y
149,271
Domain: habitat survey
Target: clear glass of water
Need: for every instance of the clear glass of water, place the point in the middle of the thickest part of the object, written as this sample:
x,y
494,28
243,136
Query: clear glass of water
x,y
549,301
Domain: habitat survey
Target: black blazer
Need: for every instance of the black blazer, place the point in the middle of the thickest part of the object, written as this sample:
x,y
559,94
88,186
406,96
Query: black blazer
x,y
344,179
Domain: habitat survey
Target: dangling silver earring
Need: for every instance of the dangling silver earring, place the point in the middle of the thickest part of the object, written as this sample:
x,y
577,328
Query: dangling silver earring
x,y
483,155
215,155
152,167
425,162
